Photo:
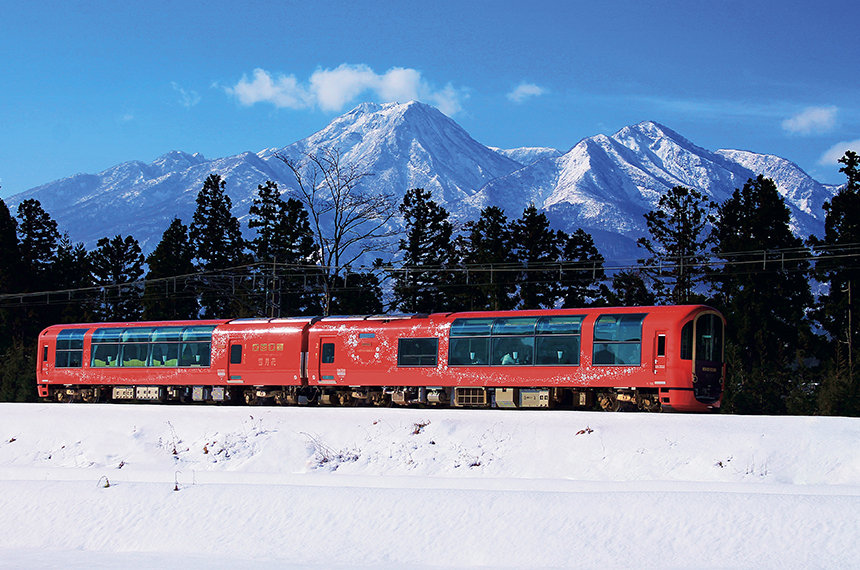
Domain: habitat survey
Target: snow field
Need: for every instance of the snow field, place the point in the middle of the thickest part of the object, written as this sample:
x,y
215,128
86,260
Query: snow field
x,y
95,485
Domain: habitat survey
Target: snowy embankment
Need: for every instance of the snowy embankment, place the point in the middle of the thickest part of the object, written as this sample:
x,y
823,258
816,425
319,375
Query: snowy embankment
x,y
177,486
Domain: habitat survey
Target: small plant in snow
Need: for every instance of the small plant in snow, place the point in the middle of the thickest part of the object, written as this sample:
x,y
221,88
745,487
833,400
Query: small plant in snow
x,y
587,430
103,482
326,456
416,428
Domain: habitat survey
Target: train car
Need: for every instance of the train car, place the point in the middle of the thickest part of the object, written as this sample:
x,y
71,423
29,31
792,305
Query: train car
x,y
650,358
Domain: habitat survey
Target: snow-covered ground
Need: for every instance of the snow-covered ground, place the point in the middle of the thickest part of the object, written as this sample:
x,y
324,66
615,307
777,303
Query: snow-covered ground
x,y
221,487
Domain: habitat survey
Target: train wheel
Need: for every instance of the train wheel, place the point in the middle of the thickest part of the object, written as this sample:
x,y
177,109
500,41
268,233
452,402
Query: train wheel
x,y
650,403
608,402
345,399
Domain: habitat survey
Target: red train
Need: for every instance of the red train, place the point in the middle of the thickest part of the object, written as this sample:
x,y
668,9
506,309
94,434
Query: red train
x,y
652,358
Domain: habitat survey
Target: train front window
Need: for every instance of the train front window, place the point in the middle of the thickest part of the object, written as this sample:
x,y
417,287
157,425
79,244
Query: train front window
x,y
687,341
709,338
70,348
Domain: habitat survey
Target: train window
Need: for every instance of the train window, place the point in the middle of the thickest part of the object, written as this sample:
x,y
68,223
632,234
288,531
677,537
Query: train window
x,y
417,351
70,348
105,355
328,353
469,351
687,341
198,333
557,350
471,327
517,351
236,354
135,354
618,340
514,326
137,335
194,354
559,325
709,338
165,354
152,346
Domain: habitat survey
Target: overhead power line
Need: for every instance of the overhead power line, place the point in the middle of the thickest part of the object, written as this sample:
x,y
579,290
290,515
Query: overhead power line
x,y
756,261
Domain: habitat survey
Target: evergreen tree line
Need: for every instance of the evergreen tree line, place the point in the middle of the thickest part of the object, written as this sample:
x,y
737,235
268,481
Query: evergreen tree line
x,y
787,352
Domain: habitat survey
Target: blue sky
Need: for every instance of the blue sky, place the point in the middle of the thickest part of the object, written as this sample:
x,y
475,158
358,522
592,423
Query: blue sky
x,y
87,85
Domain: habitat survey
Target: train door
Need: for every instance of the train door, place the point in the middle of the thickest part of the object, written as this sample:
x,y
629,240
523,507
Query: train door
x,y
659,360
327,363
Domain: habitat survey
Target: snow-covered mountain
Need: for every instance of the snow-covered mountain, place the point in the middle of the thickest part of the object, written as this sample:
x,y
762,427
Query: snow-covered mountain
x,y
603,184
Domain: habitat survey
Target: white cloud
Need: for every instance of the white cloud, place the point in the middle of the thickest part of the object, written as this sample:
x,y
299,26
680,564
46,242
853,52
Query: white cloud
x,y
525,91
186,98
834,153
334,89
812,120
281,91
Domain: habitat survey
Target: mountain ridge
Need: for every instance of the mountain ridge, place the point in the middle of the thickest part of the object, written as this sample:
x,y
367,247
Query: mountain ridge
x,y
603,183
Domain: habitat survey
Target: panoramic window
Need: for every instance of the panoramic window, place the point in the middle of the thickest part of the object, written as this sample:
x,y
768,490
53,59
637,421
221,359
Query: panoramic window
x,y
417,351
70,348
618,340
516,341
152,346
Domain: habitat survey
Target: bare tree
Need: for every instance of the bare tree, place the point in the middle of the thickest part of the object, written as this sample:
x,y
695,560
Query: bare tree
x,y
348,222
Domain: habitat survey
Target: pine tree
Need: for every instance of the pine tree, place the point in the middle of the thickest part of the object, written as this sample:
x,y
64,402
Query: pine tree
x,y
428,252
10,254
764,292
219,249
628,290
17,375
838,268
486,251
536,246
10,274
38,239
583,269
358,293
116,264
284,239
171,291
678,248
71,271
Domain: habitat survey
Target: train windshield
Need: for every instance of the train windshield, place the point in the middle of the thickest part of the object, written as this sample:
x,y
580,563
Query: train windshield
x,y
709,338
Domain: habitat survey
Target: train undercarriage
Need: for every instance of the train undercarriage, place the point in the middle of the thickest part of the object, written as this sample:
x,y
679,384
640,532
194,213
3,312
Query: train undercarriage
x,y
607,399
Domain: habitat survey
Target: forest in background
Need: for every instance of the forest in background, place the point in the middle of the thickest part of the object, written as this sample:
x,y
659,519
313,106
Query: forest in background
x,y
791,340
